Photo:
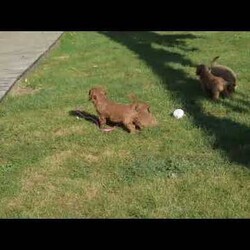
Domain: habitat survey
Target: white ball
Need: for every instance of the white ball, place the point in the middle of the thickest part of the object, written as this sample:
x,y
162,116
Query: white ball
x,y
178,113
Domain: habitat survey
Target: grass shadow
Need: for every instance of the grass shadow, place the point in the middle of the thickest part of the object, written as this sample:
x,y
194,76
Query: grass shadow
x,y
231,137
85,115
94,119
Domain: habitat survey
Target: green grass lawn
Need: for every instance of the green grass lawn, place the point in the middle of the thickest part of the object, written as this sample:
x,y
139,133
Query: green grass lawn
x,y
54,165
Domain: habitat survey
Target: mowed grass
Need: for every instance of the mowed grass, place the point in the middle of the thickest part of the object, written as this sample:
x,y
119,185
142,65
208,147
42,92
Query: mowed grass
x,y
53,165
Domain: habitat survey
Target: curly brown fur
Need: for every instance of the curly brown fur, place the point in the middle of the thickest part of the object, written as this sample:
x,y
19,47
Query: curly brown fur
x,y
226,73
125,114
144,118
213,85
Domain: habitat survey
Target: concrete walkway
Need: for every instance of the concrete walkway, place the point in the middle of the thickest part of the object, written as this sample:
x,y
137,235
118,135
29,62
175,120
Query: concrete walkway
x,y
18,52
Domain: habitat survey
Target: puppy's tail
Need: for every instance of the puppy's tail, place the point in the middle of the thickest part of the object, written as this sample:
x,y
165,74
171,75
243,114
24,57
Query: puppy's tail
x,y
214,60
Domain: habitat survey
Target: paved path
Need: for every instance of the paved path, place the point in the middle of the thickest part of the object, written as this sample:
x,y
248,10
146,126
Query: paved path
x,y
18,52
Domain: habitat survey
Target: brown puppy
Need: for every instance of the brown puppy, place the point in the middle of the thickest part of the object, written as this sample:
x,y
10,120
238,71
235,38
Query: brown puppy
x,y
114,112
211,84
145,118
224,72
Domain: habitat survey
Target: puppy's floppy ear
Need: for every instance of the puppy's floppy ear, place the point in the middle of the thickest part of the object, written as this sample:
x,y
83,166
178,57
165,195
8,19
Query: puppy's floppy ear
x,y
143,107
92,95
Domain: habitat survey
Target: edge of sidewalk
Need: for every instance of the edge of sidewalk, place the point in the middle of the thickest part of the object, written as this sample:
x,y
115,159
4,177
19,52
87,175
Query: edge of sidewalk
x,y
32,66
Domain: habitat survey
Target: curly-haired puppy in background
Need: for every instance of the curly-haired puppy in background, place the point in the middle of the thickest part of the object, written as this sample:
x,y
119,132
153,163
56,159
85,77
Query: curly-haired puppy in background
x,y
225,72
213,85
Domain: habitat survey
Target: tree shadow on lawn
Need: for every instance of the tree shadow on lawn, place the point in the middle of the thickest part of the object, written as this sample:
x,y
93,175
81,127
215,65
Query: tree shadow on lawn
x,y
231,137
